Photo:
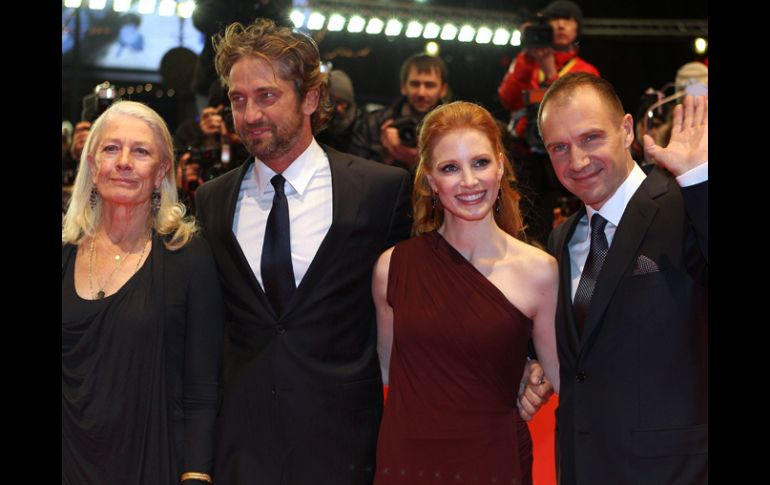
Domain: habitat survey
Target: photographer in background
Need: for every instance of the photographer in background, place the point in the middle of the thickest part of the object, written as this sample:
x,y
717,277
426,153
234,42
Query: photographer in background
x,y
346,115
207,147
550,50
94,104
389,135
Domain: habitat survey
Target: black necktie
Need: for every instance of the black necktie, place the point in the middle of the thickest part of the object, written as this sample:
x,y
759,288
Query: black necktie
x,y
277,272
596,255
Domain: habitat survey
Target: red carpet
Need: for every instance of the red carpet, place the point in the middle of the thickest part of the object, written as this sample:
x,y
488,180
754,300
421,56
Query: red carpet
x,y
542,428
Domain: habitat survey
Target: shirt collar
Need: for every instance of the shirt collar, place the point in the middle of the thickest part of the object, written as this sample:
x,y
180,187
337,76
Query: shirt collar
x,y
297,175
613,209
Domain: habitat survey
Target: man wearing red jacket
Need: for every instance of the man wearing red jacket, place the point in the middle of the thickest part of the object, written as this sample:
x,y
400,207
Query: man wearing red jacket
x,y
539,67
531,72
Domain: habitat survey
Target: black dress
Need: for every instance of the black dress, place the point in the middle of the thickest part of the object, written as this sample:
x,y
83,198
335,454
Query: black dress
x,y
140,371
459,349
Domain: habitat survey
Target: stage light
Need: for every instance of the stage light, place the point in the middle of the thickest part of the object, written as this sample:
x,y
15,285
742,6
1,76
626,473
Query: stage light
x,y
72,3
121,5
466,33
501,37
185,9
432,48
393,28
316,21
432,29
356,24
336,23
96,4
146,6
516,38
701,45
413,29
166,8
374,26
484,35
448,32
297,18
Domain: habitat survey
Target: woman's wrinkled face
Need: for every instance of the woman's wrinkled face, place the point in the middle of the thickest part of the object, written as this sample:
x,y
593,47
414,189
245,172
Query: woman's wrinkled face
x,y
126,163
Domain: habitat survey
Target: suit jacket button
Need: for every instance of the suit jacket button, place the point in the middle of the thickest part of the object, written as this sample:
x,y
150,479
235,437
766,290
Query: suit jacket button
x,y
580,377
280,329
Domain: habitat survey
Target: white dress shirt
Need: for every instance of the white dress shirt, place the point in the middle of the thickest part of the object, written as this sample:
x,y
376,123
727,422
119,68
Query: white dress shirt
x,y
309,194
612,210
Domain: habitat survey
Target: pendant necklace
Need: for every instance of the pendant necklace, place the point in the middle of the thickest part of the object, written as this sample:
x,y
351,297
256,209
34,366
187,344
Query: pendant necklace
x,y
98,295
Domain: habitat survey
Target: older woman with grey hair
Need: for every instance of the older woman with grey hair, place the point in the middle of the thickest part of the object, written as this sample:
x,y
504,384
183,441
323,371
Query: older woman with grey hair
x,y
142,314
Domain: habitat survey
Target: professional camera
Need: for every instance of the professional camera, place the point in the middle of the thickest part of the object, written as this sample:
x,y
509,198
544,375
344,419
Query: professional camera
x,y
210,162
407,130
96,103
538,34
209,159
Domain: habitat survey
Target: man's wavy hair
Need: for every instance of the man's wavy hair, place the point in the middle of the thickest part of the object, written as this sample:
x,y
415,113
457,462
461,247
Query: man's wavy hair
x,y
461,115
293,54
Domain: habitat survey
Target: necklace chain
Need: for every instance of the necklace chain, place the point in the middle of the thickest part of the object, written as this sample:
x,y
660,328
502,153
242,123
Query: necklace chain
x,y
100,293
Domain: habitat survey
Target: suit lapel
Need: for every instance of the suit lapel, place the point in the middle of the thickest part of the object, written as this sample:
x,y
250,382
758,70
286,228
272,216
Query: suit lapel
x,y
231,241
631,230
346,184
565,283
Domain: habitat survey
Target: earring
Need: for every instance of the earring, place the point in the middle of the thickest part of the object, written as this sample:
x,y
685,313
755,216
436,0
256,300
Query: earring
x,y
433,200
94,197
498,203
155,202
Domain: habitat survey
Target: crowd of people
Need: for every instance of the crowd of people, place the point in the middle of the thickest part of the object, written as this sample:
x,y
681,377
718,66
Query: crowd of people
x,y
234,319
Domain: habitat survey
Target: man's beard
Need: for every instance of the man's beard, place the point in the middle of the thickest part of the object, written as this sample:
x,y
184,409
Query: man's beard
x,y
281,142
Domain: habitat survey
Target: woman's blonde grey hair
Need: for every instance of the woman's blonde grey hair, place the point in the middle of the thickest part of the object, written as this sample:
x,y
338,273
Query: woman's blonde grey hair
x,y
81,220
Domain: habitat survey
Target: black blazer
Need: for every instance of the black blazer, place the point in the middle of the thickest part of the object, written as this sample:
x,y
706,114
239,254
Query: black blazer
x,y
303,392
633,407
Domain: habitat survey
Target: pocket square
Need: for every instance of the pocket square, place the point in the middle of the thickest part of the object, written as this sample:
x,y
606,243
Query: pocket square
x,y
644,265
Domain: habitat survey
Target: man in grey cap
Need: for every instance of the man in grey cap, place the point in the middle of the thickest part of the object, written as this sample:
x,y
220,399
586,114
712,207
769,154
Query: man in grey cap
x,y
346,114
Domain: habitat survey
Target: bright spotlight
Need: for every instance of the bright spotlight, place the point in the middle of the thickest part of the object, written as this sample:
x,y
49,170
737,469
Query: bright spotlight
x,y
120,5
167,8
297,18
432,29
374,26
316,21
393,28
516,38
484,35
448,32
432,48
501,37
336,23
146,6
701,45
356,24
413,29
466,33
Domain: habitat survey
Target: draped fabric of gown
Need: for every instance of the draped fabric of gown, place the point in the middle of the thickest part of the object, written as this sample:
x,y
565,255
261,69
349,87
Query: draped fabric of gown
x,y
124,378
458,354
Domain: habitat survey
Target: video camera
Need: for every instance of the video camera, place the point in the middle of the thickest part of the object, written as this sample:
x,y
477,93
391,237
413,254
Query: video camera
x,y
96,103
538,34
407,130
